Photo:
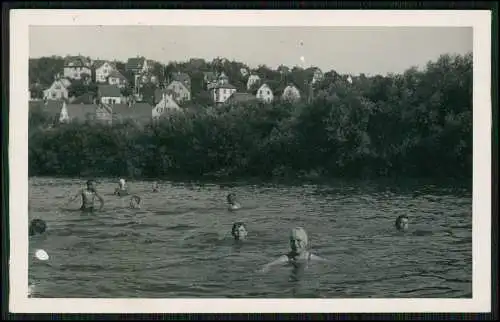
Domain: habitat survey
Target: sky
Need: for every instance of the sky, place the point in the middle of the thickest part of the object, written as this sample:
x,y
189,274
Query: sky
x,y
349,50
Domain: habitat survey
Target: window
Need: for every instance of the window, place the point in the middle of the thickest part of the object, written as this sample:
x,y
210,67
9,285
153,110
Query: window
x,y
53,95
260,92
268,93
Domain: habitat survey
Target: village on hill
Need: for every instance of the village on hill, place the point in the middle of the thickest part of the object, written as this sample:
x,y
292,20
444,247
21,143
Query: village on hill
x,y
143,90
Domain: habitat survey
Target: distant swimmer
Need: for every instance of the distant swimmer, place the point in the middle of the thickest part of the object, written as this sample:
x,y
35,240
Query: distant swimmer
x,y
156,187
402,223
135,202
88,197
122,189
298,254
37,227
239,231
233,204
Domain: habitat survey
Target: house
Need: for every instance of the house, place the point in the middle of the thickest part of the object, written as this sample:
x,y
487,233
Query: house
x,y
317,76
116,78
77,67
265,94
102,70
290,93
110,94
58,90
78,113
244,72
183,78
221,92
252,79
181,93
238,98
165,103
137,65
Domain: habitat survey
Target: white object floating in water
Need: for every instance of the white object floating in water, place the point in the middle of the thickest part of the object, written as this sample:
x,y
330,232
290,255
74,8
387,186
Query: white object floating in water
x,y
42,255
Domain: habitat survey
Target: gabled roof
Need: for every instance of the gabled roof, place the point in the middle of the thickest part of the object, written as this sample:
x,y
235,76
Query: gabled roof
x,y
241,97
135,63
228,86
109,91
76,61
116,74
159,94
98,63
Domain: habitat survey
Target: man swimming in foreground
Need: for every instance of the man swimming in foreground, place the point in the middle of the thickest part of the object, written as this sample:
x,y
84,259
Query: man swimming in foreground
x,y
298,251
88,197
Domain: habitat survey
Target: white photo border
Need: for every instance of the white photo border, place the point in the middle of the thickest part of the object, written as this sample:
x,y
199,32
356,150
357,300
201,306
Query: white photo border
x,y
22,19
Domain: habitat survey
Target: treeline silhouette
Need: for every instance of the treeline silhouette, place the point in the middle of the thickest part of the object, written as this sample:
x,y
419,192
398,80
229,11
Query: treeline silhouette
x,y
414,124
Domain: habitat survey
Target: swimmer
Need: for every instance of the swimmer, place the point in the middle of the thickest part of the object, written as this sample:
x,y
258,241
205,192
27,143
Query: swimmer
x,y
37,227
156,187
402,223
122,188
239,231
135,202
298,251
88,197
233,204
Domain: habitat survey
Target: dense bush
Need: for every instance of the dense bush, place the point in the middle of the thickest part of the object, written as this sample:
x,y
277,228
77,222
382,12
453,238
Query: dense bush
x,y
418,124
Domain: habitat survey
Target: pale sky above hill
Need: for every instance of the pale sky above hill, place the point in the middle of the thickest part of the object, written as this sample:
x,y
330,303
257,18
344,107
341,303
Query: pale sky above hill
x,y
354,50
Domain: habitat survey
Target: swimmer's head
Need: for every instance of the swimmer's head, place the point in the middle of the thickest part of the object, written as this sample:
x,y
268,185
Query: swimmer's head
x,y
298,240
90,184
37,227
239,231
402,222
231,198
135,202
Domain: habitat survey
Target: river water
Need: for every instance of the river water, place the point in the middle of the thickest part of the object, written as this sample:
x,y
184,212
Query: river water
x,y
179,244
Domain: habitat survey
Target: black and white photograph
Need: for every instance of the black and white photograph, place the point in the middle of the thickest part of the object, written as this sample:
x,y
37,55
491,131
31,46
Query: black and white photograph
x,y
293,161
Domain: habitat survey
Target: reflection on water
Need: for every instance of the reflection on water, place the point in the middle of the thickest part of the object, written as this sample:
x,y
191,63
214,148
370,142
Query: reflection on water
x,y
179,244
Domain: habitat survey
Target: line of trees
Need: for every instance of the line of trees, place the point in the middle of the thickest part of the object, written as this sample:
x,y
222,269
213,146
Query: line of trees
x,y
418,124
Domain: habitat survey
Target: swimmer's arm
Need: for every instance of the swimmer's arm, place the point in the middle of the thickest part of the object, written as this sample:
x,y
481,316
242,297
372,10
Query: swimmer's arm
x,y
281,260
101,200
317,258
78,194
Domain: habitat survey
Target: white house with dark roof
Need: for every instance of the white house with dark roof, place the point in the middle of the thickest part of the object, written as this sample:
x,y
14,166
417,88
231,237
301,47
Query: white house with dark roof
x,y
110,94
165,103
252,79
183,78
116,78
77,66
265,93
58,90
291,93
102,70
221,92
180,92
